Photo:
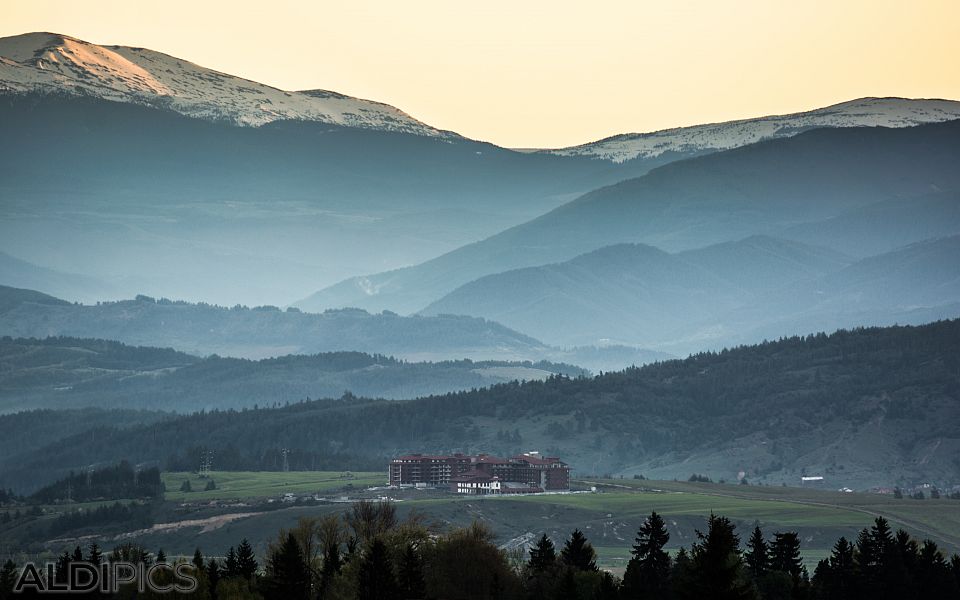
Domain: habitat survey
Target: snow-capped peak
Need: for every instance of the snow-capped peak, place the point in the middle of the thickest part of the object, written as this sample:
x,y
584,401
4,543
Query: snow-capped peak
x,y
864,112
49,62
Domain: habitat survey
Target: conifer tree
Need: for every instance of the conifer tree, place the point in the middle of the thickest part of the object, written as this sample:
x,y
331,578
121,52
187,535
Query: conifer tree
x,y
648,572
161,556
287,574
246,561
717,570
62,573
837,578
543,556
213,577
230,568
933,574
578,553
785,554
376,580
198,563
757,556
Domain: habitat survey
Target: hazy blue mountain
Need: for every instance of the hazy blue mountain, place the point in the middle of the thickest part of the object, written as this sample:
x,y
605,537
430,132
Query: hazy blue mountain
x,y
78,288
213,211
267,331
730,293
636,294
763,188
915,284
260,331
861,408
72,373
884,226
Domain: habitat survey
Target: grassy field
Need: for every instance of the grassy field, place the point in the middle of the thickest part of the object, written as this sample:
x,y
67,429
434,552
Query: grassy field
x,y
243,485
609,518
935,519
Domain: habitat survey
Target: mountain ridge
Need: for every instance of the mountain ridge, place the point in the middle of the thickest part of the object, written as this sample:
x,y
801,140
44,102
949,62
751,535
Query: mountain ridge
x,y
762,188
695,139
53,61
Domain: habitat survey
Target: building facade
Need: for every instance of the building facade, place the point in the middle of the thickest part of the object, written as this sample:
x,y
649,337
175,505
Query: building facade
x,y
482,474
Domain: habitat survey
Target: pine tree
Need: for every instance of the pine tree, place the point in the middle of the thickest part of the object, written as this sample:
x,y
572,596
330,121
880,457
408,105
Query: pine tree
x,y
648,572
230,567
94,555
837,579
376,580
758,554
785,554
717,570
161,556
543,556
246,561
198,561
410,575
287,574
213,577
541,568
62,573
578,553
933,573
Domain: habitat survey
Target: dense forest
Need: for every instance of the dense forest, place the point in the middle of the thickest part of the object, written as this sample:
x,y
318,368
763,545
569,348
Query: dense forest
x,y
63,372
110,483
873,406
368,553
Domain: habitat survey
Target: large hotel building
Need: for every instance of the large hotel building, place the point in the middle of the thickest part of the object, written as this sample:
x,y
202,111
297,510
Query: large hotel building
x,y
482,474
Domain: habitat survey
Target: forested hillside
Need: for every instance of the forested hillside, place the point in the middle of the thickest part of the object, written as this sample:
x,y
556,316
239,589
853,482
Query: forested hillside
x,y
863,407
71,372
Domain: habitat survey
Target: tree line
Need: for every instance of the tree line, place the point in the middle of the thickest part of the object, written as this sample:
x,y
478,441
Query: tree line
x,y
368,553
787,388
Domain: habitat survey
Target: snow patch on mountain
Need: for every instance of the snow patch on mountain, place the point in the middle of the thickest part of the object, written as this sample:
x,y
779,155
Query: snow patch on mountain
x,y
864,112
53,63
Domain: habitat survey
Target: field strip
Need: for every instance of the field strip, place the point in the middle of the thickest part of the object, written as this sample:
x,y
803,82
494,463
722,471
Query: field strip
x,y
906,522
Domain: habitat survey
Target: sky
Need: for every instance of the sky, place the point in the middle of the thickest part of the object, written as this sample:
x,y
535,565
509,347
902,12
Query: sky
x,y
553,73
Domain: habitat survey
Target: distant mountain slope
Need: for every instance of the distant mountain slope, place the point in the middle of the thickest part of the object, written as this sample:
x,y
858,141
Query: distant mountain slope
x,y
915,284
862,408
262,331
53,62
884,226
730,293
211,211
72,373
759,189
267,331
79,288
699,139
636,294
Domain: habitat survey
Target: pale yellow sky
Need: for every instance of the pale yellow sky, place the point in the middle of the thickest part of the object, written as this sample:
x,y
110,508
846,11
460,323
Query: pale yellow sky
x,y
536,73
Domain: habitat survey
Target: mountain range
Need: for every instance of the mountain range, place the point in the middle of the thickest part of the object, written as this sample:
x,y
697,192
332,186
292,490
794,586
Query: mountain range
x,y
719,296
269,332
222,189
791,186
68,373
